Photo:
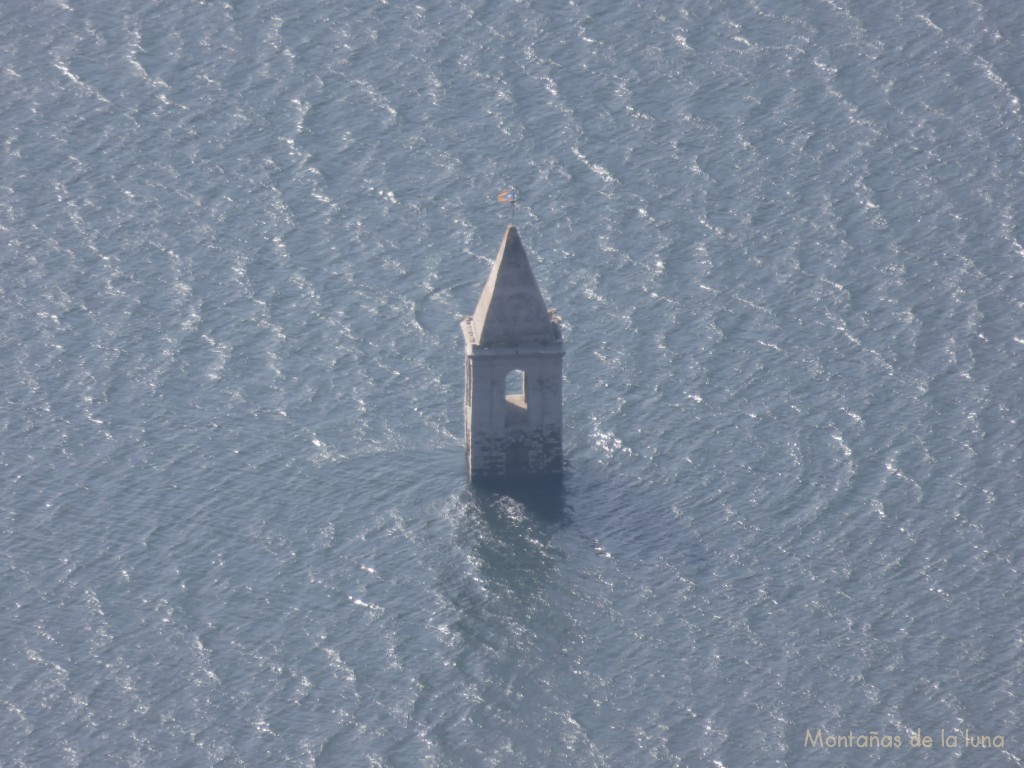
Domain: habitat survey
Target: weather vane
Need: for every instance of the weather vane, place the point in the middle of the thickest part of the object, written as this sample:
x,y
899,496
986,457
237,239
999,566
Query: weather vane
x,y
509,195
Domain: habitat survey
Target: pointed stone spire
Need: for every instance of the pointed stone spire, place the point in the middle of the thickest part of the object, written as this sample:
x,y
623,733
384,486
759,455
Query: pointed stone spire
x,y
511,310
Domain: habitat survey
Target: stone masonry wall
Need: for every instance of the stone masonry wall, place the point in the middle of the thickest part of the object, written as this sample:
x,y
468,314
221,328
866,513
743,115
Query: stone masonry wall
x,y
502,437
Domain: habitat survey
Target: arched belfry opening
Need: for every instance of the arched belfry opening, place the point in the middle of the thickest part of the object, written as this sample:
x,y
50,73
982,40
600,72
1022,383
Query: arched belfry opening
x,y
515,385
513,403
515,400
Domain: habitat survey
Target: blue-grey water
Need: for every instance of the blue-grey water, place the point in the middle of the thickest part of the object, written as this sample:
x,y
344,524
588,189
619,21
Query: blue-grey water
x,y
237,238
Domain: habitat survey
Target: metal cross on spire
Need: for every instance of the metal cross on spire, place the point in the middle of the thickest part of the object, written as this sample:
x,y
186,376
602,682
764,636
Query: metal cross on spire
x,y
509,195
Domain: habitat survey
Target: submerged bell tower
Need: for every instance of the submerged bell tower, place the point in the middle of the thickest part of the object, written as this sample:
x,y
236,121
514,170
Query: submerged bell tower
x,y
513,374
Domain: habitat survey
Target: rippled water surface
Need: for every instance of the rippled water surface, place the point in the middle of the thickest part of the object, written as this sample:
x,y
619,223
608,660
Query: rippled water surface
x,y
237,240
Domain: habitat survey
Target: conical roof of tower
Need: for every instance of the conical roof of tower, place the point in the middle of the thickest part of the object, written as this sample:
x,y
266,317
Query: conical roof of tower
x,y
511,310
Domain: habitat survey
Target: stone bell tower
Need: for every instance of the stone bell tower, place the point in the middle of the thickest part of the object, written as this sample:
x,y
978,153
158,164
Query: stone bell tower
x,y
513,374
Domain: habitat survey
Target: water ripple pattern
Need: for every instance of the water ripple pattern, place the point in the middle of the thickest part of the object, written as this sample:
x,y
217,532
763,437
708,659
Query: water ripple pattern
x,y
237,240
